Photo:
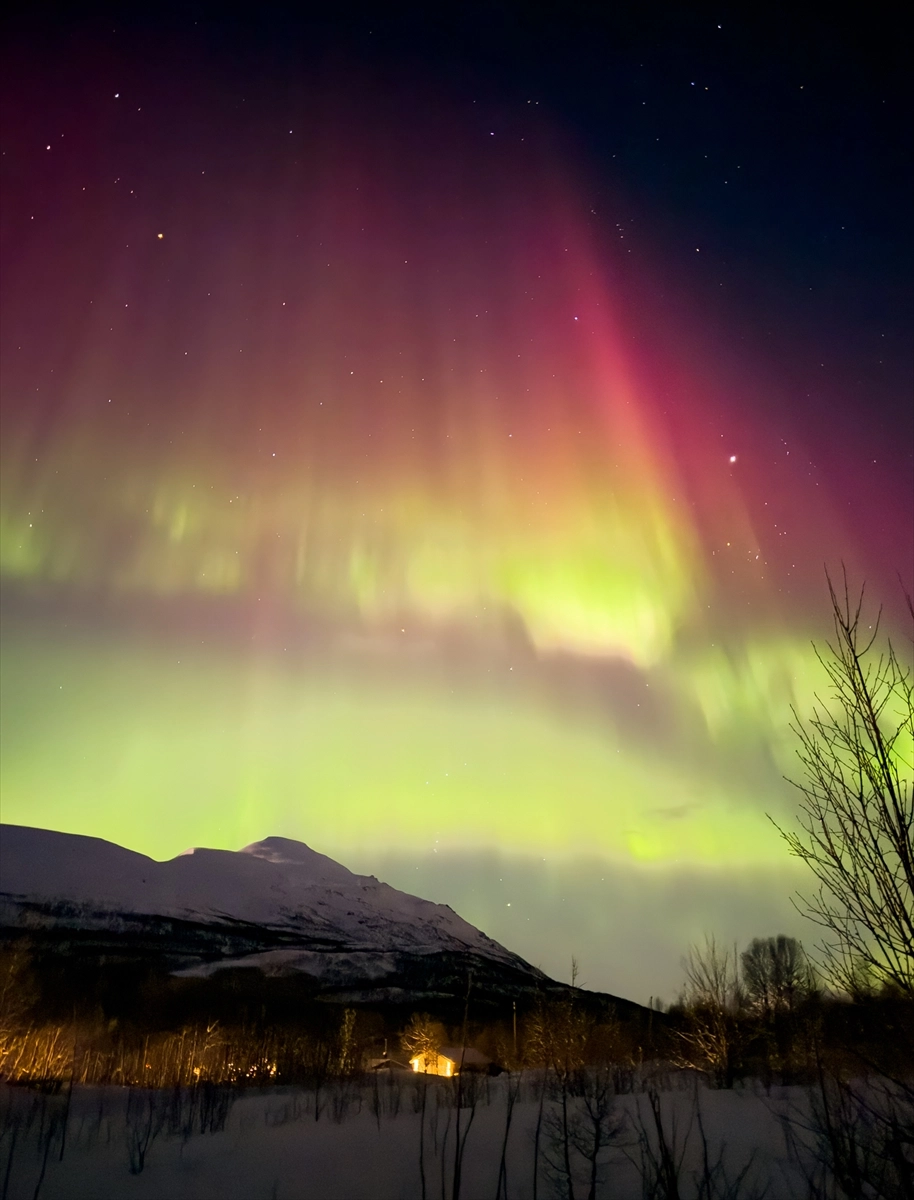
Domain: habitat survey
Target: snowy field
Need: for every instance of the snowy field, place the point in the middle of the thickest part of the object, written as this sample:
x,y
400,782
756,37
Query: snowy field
x,y
373,1141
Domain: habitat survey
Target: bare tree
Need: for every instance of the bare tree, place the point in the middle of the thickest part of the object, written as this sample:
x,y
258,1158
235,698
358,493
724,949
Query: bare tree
x,y
597,1124
776,974
421,1039
712,999
557,1037
350,1052
857,809
18,988
855,833
711,979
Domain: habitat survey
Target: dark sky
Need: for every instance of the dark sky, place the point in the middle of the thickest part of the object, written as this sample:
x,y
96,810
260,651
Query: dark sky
x,y
776,141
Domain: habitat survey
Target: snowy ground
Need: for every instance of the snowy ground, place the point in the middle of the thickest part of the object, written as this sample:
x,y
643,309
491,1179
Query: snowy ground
x,y
352,1141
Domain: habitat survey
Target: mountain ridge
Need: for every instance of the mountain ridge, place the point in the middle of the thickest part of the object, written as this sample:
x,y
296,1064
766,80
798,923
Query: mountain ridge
x,y
276,906
276,914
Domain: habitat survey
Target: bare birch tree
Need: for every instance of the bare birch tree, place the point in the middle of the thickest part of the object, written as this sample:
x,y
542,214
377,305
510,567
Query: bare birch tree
x,y
856,815
712,999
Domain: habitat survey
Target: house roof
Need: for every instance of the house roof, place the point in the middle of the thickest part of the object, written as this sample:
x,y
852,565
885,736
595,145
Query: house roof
x,y
467,1055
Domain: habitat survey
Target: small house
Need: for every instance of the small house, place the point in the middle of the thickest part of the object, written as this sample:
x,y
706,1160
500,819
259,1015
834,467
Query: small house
x,y
450,1060
383,1063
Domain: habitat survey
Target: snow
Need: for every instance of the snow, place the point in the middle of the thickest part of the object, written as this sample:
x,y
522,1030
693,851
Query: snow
x,y
285,850
278,883
365,1144
330,967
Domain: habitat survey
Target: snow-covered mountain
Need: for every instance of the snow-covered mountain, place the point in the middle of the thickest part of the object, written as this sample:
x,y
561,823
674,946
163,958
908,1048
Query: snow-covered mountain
x,y
276,905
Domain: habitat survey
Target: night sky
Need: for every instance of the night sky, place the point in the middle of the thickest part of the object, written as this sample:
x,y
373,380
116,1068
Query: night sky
x,y
424,435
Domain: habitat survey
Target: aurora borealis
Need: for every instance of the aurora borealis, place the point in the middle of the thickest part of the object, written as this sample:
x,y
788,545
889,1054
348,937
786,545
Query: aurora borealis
x,y
374,474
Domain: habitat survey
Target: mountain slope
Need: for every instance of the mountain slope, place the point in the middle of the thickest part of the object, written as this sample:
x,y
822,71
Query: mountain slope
x,y
277,906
